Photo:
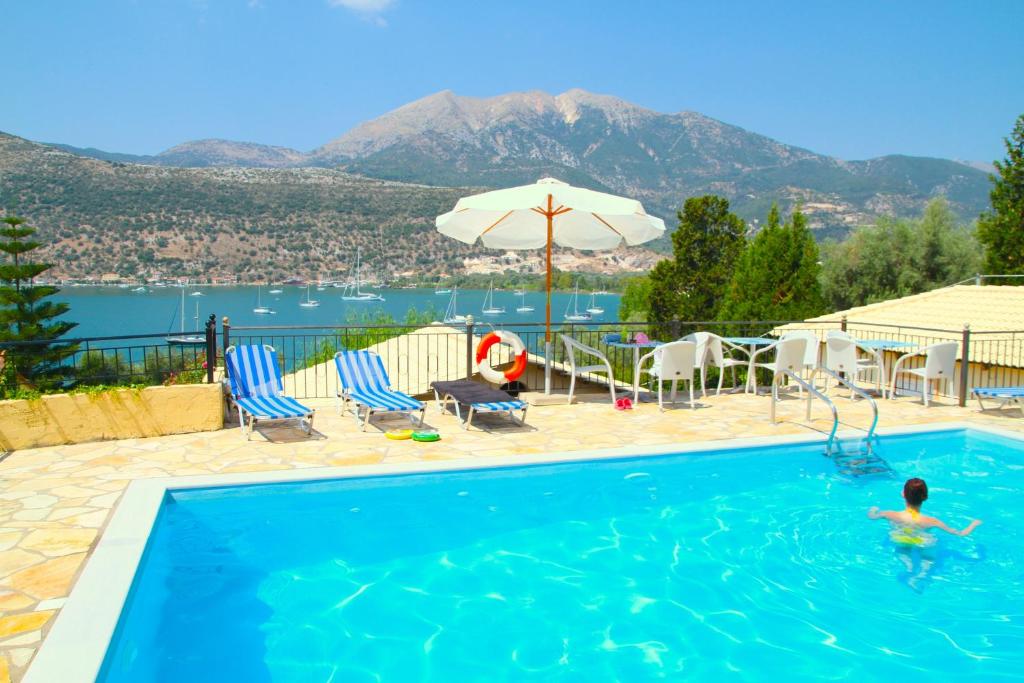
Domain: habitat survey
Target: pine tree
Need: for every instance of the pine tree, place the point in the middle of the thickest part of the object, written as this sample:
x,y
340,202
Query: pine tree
x,y
25,316
776,277
705,246
1001,230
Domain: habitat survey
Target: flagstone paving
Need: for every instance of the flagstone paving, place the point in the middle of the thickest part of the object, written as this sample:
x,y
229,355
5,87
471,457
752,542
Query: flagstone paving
x,y
55,502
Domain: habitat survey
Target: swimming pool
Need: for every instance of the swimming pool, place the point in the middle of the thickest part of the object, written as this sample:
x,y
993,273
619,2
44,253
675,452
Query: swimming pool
x,y
757,562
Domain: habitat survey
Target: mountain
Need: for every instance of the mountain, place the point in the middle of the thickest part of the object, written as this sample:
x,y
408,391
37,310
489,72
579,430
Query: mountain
x,y
200,153
256,224
606,143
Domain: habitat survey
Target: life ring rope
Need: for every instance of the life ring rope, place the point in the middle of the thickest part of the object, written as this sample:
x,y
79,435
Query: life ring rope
x,y
483,350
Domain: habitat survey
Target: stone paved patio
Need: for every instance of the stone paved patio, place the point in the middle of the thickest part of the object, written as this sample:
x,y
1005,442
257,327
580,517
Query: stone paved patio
x,y
55,502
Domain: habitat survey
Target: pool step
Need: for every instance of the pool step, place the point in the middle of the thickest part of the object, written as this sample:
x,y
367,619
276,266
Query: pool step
x,y
860,461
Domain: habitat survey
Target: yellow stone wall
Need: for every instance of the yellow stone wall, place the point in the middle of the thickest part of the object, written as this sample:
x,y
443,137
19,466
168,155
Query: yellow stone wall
x,y
117,414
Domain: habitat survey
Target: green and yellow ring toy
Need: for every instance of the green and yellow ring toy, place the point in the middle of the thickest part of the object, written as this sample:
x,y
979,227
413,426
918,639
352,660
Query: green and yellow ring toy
x,y
426,436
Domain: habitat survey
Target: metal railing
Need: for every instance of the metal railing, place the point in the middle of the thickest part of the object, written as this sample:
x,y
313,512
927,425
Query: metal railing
x,y
416,355
812,394
863,394
130,359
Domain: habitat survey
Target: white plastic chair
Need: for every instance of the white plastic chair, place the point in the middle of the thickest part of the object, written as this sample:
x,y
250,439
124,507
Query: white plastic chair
x,y
572,347
711,351
673,362
811,351
939,366
790,354
841,357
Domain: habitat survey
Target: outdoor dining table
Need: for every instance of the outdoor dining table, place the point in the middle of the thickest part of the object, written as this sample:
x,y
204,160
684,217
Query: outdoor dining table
x,y
752,343
636,346
878,347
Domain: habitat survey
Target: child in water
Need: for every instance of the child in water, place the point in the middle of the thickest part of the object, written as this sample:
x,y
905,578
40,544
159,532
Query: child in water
x,y
909,524
910,531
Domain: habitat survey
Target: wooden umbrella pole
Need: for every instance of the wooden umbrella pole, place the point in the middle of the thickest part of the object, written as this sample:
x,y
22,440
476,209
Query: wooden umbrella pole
x,y
547,315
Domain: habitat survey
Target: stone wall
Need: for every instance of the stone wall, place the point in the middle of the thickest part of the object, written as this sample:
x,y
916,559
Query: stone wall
x,y
116,414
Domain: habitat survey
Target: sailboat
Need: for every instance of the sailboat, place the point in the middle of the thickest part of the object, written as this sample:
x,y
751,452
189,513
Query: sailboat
x,y
592,307
440,289
575,315
489,308
451,314
520,292
353,292
260,308
523,307
275,291
183,339
309,303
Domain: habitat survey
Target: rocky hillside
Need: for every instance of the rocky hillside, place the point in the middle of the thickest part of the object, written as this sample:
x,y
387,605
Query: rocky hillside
x,y
254,223
607,143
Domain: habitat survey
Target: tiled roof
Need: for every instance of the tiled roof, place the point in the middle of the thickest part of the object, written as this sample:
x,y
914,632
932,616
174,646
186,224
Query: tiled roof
x,y
995,315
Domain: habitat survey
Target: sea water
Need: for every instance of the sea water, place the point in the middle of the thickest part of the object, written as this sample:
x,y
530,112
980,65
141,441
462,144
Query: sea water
x,y
109,311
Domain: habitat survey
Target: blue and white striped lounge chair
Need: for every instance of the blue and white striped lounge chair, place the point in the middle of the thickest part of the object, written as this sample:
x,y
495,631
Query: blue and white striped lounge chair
x,y
257,390
364,382
477,398
1004,395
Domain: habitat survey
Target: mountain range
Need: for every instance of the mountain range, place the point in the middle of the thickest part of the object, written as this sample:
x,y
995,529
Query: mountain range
x,y
609,144
218,207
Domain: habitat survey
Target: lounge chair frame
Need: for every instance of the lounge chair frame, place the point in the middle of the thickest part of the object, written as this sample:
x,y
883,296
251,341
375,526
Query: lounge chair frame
x,y
509,406
299,412
374,393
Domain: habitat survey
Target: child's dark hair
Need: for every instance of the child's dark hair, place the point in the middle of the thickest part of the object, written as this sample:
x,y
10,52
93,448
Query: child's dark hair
x,y
915,492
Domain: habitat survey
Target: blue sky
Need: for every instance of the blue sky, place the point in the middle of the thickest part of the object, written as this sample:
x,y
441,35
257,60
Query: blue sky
x,y
851,79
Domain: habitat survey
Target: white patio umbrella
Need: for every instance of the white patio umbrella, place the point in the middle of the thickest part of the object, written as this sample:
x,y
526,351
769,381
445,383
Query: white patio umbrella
x,y
546,213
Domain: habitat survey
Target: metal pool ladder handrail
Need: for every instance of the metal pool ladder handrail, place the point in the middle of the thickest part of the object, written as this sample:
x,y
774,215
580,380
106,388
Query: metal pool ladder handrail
x,y
863,394
812,393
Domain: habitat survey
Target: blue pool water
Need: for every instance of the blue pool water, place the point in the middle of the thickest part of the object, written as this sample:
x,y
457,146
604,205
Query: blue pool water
x,y
755,564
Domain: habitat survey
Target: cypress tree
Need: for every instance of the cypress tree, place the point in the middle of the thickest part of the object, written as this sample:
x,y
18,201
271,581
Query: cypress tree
x,y
26,316
776,277
1001,230
705,246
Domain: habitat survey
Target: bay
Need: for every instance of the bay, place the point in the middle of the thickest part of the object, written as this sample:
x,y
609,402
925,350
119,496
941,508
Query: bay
x,y
113,311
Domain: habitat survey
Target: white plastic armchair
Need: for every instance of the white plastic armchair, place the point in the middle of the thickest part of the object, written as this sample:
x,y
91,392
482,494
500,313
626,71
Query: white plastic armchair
x,y
572,347
939,366
811,351
841,357
713,350
673,362
790,354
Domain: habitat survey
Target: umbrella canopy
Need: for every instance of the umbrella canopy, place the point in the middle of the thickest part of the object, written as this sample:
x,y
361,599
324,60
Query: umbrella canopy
x,y
546,213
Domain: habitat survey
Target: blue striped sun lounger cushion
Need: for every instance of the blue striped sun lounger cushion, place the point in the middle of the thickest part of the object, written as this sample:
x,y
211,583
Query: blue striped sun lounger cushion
x,y
1000,392
365,381
498,406
273,407
253,371
385,400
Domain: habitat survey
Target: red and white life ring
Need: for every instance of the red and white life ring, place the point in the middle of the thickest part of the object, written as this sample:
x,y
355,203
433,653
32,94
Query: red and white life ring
x,y
518,348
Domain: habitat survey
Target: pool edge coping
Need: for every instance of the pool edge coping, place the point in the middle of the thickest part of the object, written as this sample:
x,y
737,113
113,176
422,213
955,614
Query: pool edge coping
x,y
76,645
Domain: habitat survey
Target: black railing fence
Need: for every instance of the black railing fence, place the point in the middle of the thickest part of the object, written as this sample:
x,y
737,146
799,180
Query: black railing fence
x,y
417,355
134,359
